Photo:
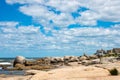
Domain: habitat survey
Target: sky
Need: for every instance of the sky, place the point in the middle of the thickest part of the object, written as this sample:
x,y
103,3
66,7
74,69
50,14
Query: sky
x,y
35,28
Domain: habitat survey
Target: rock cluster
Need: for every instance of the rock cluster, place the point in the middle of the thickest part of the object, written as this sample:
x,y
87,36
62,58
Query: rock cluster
x,y
21,63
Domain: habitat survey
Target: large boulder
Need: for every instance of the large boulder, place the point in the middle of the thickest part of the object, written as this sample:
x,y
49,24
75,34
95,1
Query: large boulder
x,y
56,60
73,59
95,61
83,58
66,59
85,62
19,60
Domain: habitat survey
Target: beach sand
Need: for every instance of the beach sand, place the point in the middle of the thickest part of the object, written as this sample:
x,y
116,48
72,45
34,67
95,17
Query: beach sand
x,y
73,72
78,72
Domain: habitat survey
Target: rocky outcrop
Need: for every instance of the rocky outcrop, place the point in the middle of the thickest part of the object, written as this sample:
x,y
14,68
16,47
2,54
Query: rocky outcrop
x,y
116,50
20,63
81,58
100,53
70,58
56,60
93,57
19,60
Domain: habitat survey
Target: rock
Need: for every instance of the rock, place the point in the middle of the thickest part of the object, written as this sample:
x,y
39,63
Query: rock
x,y
19,66
108,59
90,62
100,52
73,59
56,60
93,57
47,60
43,61
30,63
95,61
33,72
19,60
53,60
66,58
38,67
85,62
83,58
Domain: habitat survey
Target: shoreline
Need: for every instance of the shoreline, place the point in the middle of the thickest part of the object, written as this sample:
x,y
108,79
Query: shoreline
x,y
65,68
79,72
72,72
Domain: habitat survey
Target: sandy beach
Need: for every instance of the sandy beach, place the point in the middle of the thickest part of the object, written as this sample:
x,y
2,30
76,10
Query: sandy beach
x,y
74,72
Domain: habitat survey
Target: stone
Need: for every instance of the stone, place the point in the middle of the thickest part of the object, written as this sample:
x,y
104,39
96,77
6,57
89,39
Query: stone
x,y
19,60
93,57
83,58
20,66
33,72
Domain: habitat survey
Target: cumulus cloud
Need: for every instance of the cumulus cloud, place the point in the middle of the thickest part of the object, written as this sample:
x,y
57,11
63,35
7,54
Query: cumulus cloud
x,y
8,24
24,1
88,38
45,10
12,37
58,13
88,18
28,29
107,10
30,37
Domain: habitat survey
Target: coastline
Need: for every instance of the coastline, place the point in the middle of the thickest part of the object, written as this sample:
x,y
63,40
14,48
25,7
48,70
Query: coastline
x,y
74,72
70,68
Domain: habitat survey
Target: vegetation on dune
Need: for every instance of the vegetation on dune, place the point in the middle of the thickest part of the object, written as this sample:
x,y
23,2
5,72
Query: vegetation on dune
x,y
114,71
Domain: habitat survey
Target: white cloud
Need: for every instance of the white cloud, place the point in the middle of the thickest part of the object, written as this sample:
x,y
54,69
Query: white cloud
x,y
42,15
24,1
28,29
8,30
8,24
107,9
88,37
18,38
98,10
64,5
65,39
76,38
88,18
35,10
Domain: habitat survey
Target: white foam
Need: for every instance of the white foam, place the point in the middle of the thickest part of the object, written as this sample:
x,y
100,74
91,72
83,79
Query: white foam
x,y
5,63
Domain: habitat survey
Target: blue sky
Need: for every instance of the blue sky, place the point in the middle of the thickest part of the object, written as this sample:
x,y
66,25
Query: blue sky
x,y
58,27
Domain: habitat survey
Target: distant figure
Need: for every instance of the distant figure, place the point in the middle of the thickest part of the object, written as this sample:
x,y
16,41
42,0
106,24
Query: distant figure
x,y
19,60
